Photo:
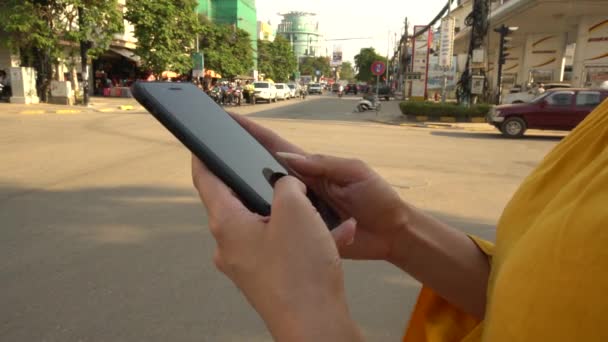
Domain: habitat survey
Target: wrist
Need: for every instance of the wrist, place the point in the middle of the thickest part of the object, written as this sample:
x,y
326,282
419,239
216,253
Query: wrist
x,y
321,319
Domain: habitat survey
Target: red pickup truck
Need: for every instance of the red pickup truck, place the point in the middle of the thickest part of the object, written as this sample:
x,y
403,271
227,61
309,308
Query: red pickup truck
x,y
558,109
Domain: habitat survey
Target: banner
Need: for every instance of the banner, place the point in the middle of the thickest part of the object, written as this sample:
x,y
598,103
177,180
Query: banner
x,y
446,49
420,63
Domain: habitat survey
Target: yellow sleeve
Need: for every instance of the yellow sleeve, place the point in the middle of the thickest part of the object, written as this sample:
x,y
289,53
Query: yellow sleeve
x,y
436,320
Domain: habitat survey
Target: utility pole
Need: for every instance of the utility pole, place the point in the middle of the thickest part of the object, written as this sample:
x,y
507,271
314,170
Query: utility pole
x,y
388,43
444,92
405,62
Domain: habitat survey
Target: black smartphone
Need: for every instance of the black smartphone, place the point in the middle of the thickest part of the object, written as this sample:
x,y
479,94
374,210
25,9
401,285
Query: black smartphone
x,y
226,148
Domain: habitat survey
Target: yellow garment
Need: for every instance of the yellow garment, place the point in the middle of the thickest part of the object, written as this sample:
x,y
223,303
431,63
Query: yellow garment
x,y
549,278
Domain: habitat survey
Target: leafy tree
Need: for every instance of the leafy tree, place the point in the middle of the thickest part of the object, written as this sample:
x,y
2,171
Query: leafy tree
x,y
98,22
33,30
347,72
363,63
276,59
165,32
42,31
227,49
309,65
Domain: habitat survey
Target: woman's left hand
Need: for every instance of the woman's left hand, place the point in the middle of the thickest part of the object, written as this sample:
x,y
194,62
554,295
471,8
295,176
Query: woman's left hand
x,y
287,265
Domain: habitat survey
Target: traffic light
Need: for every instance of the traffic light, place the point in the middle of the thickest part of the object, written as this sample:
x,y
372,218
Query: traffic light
x,y
504,32
503,53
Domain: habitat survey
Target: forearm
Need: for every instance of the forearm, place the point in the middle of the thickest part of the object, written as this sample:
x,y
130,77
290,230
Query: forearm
x,y
444,259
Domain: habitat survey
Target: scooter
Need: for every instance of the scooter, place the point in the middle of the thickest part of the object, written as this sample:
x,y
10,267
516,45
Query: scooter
x,y
366,105
340,93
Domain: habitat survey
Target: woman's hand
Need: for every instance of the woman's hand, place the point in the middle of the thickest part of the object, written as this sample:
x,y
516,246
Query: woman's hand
x,y
287,265
353,189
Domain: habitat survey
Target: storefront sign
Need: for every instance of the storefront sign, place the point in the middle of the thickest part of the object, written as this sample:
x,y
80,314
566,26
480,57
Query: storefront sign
x,y
446,49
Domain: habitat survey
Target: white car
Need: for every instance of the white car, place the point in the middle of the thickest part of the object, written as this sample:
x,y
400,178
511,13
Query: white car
x,y
283,92
294,90
265,91
518,96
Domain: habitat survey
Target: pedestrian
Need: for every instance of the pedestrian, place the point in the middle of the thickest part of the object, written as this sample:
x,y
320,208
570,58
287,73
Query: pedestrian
x,y
544,280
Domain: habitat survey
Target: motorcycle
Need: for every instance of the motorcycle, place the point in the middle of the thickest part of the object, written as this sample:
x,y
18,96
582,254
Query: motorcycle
x,y
340,93
366,105
237,96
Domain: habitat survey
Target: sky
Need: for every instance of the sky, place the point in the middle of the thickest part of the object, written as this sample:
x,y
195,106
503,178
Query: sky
x,y
356,19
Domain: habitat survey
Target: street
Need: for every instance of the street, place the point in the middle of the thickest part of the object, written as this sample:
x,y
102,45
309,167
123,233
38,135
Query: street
x,y
104,239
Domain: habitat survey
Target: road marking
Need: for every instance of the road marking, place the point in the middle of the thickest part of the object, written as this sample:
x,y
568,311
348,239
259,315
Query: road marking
x,y
67,111
106,110
127,107
32,112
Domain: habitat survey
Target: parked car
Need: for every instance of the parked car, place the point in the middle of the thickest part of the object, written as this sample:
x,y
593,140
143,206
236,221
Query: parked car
x,y
315,88
265,91
518,96
283,92
351,88
557,109
294,90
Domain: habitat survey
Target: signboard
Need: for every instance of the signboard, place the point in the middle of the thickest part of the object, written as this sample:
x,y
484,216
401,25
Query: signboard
x,y
436,73
446,49
420,63
198,65
336,59
318,72
378,68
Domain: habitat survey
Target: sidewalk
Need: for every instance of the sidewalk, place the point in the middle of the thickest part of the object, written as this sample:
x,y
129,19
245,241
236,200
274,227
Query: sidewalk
x,y
97,104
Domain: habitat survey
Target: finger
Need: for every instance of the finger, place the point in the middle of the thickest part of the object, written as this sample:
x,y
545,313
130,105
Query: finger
x,y
269,139
217,197
344,234
334,169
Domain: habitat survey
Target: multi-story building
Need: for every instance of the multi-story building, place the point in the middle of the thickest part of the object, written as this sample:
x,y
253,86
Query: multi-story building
x,y
301,29
265,31
240,13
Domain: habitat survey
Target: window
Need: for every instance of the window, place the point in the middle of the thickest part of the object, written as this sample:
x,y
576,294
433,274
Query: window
x,y
260,85
562,98
588,98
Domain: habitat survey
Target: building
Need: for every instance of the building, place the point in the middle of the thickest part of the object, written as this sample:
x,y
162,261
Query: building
x,y
265,31
301,29
240,13
555,41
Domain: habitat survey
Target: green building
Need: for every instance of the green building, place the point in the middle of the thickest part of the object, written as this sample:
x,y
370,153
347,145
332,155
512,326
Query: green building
x,y
241,13
302,30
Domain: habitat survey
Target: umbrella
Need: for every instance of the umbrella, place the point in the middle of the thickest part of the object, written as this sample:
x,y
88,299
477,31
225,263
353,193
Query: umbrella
x,y
212,74
169,74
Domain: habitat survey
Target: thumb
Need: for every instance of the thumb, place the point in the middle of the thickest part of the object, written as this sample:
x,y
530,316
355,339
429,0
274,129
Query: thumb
x,y
344,234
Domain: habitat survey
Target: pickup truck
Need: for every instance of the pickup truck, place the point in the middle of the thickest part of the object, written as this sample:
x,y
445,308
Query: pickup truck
x,y
385,92
557,109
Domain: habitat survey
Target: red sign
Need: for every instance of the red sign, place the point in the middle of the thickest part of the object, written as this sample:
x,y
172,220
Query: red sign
x,y
378,68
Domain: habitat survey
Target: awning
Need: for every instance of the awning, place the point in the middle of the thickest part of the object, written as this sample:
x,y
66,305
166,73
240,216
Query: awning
x,y
126,53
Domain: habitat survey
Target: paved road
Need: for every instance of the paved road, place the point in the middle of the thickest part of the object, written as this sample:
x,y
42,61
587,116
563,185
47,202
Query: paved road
x,y
103,238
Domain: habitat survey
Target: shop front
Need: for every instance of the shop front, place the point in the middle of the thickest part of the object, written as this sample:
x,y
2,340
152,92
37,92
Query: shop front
x,y
115,71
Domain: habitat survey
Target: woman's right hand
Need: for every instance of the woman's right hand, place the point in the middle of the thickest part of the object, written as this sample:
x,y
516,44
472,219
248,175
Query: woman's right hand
x,y
353,189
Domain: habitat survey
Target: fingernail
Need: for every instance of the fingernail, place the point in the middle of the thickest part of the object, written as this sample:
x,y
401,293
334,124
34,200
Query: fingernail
x,y
289,155
352,239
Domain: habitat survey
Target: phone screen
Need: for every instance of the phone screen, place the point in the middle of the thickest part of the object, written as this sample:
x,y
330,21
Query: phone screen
x,y
223,136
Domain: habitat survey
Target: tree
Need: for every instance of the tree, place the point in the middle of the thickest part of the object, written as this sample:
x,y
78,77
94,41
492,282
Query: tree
x,y
347,72
276,59
309,65
227,49
363,63
98,22
165,32
33,29
43,30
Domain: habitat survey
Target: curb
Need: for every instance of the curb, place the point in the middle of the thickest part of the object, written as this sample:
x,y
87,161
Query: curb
x,y
433,125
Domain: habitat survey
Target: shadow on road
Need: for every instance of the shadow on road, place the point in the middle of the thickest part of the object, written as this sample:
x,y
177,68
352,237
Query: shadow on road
x,y
495,135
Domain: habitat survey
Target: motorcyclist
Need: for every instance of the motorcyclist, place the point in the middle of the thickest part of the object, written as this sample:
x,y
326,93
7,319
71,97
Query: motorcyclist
x,y
340,90
370,96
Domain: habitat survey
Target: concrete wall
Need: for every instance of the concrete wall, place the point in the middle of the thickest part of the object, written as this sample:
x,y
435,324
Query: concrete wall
x,y
590,65
543,57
